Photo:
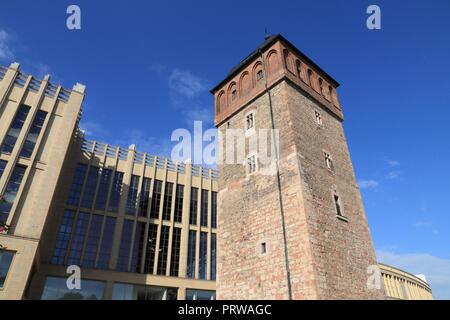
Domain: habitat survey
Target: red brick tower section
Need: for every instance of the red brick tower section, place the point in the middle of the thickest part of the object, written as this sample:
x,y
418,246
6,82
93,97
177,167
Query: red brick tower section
x,y
300,233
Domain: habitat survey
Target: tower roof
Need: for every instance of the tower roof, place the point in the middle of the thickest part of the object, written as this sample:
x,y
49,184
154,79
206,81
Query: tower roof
x,y
267,43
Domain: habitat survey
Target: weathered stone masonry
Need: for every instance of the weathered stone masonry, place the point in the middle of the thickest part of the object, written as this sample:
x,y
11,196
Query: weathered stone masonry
x,y
327,254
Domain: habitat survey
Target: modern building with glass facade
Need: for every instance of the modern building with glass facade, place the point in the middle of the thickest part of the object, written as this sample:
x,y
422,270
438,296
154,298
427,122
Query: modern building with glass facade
x,y
139,226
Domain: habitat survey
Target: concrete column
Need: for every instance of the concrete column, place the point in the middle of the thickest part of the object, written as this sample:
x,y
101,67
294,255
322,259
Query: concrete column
x,y
8,81
185,219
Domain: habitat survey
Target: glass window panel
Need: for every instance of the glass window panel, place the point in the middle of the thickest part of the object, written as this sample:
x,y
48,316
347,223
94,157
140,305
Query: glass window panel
x,y
204,209
14,129
115,192
156,199
132,195
106,245
33,134
151,247
179,203
202,256
163,248
160,293
76,246
6,258
63,237
125,246
171,294
122,291
192,294
77,185
156,293
138,246
191,254
56,289
194,205
103,188
167,208
90,253
11,192
145,196
175,256
89,189
139,292
2,167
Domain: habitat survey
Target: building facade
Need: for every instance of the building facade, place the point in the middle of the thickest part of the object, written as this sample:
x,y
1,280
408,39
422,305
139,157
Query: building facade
x,y
144,227
37,124
300,232
401,285
138,226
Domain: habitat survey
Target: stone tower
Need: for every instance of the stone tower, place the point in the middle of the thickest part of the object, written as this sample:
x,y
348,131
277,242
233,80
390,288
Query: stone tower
x,y
296,230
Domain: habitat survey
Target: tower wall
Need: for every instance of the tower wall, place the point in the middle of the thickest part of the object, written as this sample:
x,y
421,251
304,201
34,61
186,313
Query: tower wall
x,y
341,246
327,254
249,215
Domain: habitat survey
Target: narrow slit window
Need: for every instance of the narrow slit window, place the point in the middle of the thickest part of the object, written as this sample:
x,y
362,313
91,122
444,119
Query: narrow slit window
x,y
328,161
263,247
259,75
249,121
337,204
318,117
251,164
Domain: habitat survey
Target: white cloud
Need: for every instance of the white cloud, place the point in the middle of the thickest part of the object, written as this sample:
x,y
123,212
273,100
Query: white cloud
x,y
387,172
183,83
5,47
42,70
420,224
94,129
393,175
157,67
145,143
199,114
428,225
435,269
367,184
142,141
187,92
393,163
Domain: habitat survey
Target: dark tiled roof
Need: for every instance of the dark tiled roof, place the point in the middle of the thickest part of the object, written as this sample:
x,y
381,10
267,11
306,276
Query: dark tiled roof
x,y
268,42
252,55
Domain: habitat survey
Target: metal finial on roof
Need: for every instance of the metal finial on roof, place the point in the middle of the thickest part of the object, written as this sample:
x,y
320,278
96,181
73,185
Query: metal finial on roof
x,y
266,34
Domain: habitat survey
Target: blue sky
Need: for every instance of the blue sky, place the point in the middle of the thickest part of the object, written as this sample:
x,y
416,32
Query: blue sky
x,y
144,62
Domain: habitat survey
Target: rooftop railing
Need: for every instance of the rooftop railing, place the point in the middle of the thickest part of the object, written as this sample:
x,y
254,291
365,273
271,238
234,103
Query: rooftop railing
x,y
105,150
2,72
35,84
